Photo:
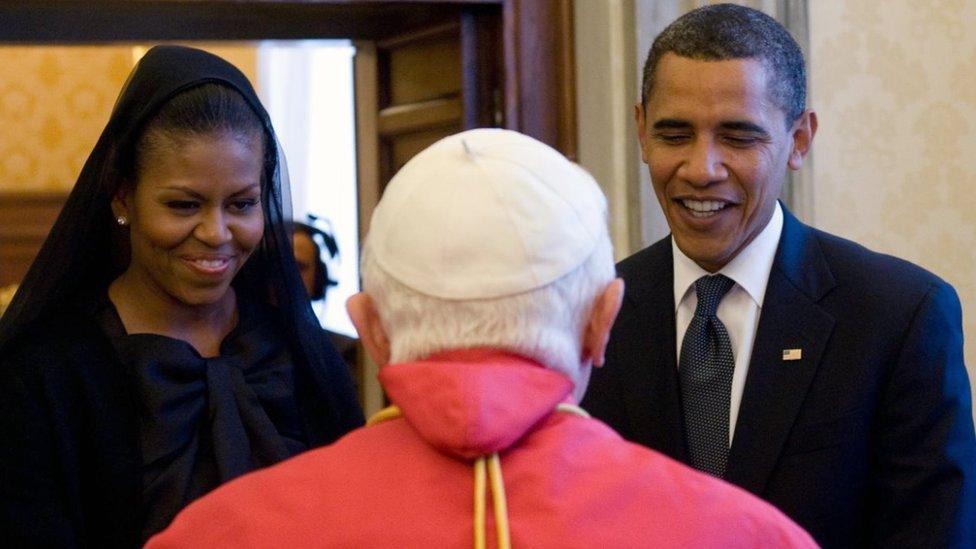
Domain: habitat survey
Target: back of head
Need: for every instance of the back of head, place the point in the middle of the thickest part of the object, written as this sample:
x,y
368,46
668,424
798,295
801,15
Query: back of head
x,y
489,238
727,31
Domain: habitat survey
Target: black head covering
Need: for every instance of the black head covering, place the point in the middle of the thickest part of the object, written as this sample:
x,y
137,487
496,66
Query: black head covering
x,y
82,253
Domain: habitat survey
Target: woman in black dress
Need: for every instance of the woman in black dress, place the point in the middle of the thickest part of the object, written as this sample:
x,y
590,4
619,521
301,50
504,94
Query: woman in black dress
x,y
162,342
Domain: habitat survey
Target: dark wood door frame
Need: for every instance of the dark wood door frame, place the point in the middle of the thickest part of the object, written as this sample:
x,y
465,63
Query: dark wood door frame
x,y
536,39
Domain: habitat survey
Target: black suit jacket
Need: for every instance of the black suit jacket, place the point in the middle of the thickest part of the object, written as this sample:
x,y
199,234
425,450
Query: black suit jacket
x,y
867,440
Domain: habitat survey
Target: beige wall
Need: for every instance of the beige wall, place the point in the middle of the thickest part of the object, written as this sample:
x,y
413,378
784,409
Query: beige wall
x,y
54,102
894,84
605,91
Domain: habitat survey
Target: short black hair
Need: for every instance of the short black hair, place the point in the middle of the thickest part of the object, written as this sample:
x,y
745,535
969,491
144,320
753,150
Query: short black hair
x,y
728,31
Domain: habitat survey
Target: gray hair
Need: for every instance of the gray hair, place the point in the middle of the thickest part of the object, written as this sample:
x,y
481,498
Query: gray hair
x,y
728,31
545,324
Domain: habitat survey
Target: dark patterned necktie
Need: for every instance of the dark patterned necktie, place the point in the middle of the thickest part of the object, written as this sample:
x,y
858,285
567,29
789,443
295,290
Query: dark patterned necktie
x,y
705,374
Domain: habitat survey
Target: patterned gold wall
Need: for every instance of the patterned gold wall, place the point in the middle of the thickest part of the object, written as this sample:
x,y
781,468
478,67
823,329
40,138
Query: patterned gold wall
x,y
894,84
54,102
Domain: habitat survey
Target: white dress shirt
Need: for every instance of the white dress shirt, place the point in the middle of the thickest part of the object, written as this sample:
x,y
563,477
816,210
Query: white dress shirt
x,y
739,309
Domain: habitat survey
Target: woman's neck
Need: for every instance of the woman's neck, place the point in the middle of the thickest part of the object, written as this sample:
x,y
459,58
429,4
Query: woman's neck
x,y
143,308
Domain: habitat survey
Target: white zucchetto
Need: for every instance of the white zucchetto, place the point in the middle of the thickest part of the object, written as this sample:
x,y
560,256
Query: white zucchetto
x,y
486,213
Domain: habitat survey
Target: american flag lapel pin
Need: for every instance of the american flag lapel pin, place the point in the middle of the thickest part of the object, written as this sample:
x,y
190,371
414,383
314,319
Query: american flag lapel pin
x,y
792,354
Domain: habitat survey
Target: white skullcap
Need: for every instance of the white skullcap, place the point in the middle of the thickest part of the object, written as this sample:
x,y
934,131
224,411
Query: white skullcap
x,y
486,213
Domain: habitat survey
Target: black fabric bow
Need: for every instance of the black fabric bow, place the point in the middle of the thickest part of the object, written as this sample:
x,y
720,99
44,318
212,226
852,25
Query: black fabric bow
x,y
205,421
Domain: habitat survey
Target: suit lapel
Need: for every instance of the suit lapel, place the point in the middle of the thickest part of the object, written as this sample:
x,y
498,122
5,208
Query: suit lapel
x,y
775,388
649,382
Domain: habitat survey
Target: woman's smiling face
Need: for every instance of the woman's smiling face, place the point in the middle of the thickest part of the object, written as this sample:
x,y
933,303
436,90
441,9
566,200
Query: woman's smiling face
x,y
195,215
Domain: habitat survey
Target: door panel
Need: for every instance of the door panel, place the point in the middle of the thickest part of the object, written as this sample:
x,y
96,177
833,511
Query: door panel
x,y
419,93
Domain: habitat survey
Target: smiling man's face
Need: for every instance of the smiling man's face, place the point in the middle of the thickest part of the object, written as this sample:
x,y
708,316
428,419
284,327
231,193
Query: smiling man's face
x,y
717,148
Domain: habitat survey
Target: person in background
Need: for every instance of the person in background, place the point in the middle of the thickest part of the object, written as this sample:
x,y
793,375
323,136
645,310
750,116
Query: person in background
x,y
162,342
824,377
488,293
315,277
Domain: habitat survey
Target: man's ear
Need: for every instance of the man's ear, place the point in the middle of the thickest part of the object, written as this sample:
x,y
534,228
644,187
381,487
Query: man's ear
x,y
362,311
639,117
804,129
605,311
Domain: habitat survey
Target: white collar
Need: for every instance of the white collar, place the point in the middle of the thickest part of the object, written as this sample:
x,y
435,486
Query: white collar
x,y
749,269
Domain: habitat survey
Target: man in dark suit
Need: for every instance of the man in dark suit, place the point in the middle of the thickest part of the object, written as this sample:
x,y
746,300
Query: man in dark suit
x,y
824,377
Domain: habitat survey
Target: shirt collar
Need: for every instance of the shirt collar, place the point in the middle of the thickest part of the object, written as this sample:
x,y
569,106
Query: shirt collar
x,y
749,269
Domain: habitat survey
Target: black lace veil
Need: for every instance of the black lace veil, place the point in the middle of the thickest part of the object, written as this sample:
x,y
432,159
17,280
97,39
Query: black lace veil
x,y
86,250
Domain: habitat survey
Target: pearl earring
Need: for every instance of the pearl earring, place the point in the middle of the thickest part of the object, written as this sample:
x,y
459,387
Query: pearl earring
x,y
121,220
